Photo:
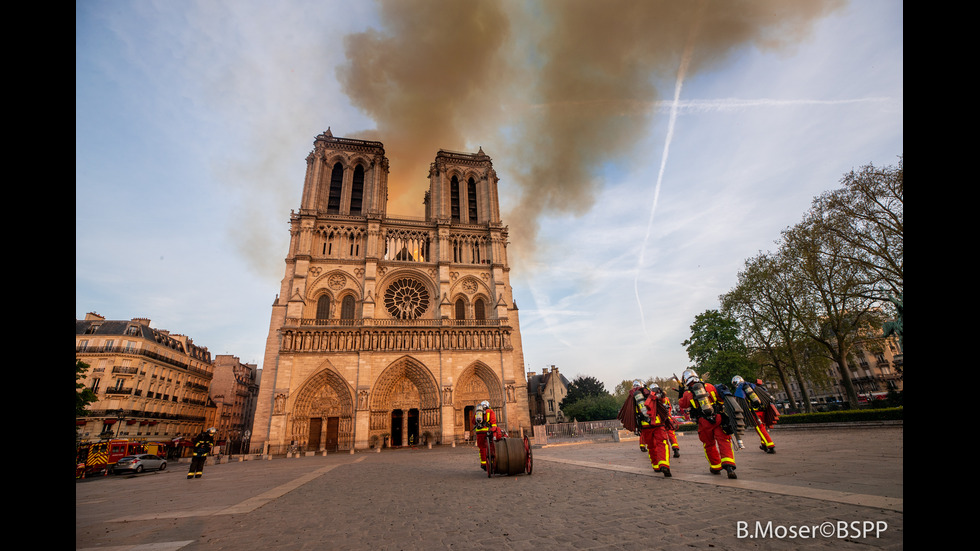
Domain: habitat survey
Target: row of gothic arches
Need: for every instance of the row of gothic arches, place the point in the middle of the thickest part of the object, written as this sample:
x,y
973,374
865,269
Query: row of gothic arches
x,y
404,296
404,404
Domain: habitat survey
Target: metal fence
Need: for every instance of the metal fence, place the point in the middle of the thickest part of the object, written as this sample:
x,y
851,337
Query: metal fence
x,y
581,431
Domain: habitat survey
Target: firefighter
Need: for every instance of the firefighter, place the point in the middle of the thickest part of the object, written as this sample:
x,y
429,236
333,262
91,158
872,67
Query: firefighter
x,y
202,448
671,433
706,407
747,390
486,426
651,424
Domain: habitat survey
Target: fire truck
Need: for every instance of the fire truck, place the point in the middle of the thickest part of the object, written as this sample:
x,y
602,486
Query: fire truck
x,y
98,458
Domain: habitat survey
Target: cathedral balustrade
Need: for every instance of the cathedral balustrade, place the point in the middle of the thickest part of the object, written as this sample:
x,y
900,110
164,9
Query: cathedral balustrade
x,y
420,338
445,322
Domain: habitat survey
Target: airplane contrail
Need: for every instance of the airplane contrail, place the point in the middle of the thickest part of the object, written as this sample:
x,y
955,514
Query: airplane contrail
x,y
681,72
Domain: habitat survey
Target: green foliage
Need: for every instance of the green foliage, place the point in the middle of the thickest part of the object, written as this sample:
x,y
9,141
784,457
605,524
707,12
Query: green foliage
x,y
716,348
582,387
83,396
623,388
845,416
592,408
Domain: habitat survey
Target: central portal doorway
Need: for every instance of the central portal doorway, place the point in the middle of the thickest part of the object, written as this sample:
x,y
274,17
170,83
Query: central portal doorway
x,y
396,427
404,427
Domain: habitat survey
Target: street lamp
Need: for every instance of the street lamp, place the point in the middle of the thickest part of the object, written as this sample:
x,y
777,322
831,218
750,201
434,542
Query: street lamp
x,y
121,415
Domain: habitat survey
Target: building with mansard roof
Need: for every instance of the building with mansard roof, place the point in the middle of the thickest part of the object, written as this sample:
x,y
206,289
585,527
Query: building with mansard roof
x,y
149,384
390,328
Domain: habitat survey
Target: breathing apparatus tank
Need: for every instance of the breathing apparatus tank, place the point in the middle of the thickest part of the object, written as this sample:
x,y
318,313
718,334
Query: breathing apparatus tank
x,y
641,404
699,394
750,394
701,398
479,414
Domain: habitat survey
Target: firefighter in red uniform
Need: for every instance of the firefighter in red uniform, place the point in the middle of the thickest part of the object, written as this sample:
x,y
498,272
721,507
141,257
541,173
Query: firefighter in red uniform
x,y
705,405
745,389
671,433
651,426
486,427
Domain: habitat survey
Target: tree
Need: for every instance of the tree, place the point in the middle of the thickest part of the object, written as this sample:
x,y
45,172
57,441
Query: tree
x,y
582,387
835,304
627,384
593,408
761,303
867,215
83,396
717,349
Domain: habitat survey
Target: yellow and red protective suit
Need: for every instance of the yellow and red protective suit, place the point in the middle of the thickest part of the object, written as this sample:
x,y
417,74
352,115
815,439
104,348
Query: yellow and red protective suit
x,y
671,434
486,427
717,446
746,390
653,432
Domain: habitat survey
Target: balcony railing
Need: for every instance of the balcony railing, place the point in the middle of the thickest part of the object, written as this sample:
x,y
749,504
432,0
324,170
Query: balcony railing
x,y
145,353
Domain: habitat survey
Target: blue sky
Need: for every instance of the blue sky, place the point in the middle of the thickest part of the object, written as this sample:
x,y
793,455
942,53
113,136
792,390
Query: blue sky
x,y
193,121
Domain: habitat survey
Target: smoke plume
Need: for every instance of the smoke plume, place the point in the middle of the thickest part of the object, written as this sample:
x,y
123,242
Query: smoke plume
x,y
560,87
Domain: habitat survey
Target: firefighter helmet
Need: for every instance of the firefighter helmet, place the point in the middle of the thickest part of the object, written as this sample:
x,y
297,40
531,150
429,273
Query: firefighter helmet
x,y
637,383
690,376
736,380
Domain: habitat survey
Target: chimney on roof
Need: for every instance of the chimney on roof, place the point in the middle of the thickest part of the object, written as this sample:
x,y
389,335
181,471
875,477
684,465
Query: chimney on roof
x,y
142,321
92,316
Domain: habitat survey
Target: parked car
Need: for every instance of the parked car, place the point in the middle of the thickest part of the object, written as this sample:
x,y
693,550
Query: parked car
x,y
139,463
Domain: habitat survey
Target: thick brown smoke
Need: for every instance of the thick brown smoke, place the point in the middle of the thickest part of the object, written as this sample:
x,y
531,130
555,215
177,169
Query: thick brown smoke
x,y
572,83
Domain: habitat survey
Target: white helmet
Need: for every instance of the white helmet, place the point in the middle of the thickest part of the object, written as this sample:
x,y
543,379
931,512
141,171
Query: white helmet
x,y
485,404
637,383
690,376
736,380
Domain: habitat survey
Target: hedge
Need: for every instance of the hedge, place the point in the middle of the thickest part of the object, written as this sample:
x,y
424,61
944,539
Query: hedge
x,y
846,416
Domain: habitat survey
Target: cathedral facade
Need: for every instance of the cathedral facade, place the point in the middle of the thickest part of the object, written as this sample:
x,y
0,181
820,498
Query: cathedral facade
x,y
390,329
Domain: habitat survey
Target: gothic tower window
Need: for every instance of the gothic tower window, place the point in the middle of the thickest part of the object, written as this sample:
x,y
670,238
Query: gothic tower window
x,y
480,310
471,200
323,307
336,187
357,190
454,199
460,309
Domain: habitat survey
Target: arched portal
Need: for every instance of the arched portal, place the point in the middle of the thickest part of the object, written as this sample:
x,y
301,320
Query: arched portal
x,y
476,383
405,403
323,413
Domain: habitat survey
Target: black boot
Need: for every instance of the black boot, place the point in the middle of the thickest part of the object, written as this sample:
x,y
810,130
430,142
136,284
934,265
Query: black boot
x,y
665,471
731,471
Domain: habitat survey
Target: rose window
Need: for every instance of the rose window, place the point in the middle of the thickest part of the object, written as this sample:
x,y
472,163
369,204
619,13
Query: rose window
x,y
406,298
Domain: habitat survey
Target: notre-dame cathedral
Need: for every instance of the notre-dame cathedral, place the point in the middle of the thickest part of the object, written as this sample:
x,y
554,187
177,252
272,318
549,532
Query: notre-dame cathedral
x,y
391,329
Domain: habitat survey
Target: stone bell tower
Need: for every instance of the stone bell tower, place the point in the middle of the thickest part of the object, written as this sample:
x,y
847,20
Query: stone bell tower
x,y
390,329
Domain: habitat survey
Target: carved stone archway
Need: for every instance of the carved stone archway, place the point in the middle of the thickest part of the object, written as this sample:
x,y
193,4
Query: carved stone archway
x,y
476,383
406,387
325,397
